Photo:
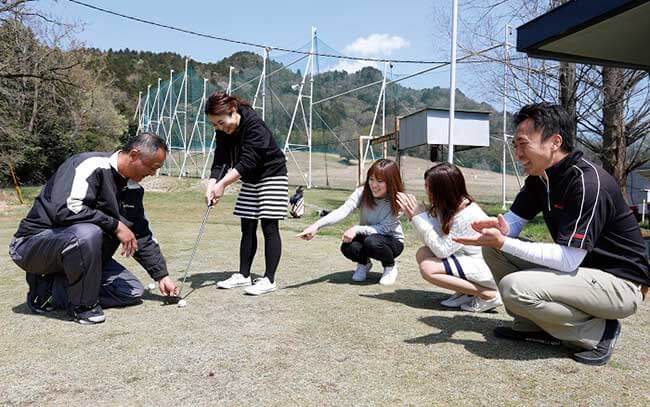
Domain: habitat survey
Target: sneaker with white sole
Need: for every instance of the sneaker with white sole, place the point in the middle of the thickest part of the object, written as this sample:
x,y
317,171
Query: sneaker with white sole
x,y
389,276
361,272
235,280
479,305
260,286
456,300
88,315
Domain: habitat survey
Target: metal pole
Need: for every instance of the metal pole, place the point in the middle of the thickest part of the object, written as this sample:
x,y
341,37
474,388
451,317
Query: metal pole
x,y
229,88
505,116
185,138
266,58
311,97
452,80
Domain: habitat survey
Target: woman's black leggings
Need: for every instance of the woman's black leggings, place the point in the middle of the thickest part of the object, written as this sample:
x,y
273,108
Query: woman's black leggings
x,y
248,246
376,246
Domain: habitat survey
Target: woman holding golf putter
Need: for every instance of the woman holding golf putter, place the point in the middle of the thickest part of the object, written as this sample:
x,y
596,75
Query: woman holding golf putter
x,y
245,145
379,233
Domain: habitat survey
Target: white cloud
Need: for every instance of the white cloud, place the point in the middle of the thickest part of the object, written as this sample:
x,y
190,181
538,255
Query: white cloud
x,y
352,66
376,45
372,46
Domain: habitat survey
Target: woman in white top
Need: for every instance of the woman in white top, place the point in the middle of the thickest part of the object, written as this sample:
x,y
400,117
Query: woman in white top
x,y
379,232
442,261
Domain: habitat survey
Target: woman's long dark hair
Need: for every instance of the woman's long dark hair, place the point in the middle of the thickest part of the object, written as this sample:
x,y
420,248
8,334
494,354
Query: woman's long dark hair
x,y
447,191
222,103
387,171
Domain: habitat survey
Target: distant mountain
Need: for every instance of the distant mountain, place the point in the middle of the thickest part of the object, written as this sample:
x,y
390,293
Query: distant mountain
x,y
348,115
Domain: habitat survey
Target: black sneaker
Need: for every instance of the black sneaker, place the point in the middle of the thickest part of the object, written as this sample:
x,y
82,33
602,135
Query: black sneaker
x,y
39,304
88,315
601,354
536,337
39,297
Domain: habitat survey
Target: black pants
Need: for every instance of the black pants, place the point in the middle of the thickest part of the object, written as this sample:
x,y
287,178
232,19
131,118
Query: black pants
x,y
78,259
248,246
380,247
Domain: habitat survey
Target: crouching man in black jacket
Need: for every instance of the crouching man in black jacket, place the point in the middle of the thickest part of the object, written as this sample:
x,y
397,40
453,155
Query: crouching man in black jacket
x,y
91,205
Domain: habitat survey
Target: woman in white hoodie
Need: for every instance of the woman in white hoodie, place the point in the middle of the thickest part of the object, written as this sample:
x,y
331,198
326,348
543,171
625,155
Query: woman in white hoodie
x,y
442,261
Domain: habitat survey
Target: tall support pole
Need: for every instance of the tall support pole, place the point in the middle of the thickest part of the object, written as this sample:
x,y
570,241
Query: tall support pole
x,y
229,88
138,108
311,98
261,86
306,116
138,113
452,81
383,113
196,129
201,112
185,110
157,106
380,99
505,116
144,117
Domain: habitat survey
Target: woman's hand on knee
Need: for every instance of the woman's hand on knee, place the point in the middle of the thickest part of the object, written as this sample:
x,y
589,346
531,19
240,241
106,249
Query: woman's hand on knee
x,y
349,235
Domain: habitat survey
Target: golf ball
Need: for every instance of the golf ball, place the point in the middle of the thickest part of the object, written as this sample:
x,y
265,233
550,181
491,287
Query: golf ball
x,y
151,286
182,303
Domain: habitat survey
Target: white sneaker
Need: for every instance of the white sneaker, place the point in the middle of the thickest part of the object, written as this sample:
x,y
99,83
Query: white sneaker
x,y
389,276
361,272
260,286
456,300
235,280
479,305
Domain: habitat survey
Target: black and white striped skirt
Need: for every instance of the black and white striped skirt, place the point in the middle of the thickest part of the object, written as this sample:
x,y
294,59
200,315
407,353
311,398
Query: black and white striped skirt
x,y
268,199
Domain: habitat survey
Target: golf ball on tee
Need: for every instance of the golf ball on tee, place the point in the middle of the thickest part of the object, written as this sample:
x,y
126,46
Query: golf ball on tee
x,y
182,303
151,286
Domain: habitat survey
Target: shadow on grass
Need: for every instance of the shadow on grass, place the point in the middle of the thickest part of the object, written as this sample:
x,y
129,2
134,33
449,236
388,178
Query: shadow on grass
x,y
195,282
61,315
340,277
494,348
414,298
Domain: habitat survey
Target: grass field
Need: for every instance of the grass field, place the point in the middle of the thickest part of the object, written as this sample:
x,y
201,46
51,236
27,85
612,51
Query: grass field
x,y
319,340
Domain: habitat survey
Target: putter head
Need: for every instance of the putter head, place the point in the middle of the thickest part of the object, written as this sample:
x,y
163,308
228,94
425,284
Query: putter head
x,y
171,299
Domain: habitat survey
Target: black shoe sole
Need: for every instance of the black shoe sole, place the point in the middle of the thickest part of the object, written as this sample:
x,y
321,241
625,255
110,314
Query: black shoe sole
x,y
592,358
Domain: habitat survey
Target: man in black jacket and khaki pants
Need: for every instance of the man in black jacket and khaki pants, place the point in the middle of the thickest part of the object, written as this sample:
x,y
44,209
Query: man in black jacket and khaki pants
x,y
91,205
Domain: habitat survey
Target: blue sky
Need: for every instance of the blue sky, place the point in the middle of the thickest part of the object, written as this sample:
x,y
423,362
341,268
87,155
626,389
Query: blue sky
x,y
366,28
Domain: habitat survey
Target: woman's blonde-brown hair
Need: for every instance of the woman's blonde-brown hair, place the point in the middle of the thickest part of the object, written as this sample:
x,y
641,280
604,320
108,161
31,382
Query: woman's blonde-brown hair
x,y
387,171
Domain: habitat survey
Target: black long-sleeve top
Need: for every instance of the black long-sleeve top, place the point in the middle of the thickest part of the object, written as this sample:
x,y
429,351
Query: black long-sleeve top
x,y
87,188
251,150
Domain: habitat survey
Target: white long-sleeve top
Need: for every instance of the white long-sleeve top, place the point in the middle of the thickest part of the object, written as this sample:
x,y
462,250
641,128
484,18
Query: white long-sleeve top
x,y
442,245
379,219
551,255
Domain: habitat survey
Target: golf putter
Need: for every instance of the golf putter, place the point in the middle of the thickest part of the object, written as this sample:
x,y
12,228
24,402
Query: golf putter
x,y
175,298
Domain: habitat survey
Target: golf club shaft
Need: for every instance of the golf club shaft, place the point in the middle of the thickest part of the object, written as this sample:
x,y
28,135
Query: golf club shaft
x,y
198,239
196,244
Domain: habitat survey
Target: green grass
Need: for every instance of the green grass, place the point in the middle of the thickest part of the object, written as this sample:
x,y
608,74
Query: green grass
x,y
319,340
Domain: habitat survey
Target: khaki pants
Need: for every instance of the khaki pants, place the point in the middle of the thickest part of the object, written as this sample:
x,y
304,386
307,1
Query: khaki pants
x,y
571,306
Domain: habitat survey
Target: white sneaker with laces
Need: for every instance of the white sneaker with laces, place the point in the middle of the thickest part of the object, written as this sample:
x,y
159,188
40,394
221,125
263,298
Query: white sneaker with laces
x,y
235,280
389,276
260,286
361,272
479,305
456,300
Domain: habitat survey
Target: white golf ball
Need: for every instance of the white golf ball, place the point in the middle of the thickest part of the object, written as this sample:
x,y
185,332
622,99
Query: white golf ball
x,y
151,286
182,303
